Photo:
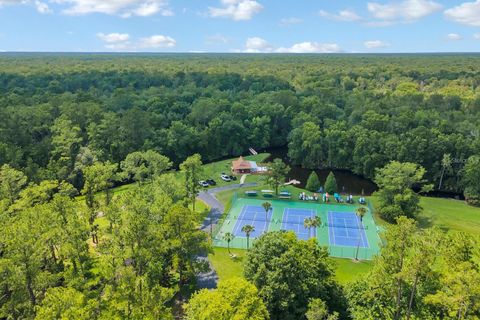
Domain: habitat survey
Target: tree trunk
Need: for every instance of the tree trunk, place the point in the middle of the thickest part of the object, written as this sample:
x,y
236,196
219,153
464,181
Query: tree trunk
x,y
31,294
412,296
441,178
398,300
52,252
399,284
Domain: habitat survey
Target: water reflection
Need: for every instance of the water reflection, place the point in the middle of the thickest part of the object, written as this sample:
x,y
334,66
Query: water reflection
x,y
347,181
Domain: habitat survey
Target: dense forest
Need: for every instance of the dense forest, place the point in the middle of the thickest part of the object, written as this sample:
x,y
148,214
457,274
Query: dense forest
x,y
73,126
352,112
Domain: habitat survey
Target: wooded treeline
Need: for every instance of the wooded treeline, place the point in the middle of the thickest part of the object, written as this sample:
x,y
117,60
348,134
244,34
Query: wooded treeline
x,y
353,112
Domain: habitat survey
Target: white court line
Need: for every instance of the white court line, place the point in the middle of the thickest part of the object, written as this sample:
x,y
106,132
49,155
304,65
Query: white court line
x,y
237,223
333,228
362,234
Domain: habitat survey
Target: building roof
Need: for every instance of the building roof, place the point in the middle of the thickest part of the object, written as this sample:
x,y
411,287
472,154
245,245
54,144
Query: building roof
x,y
241,164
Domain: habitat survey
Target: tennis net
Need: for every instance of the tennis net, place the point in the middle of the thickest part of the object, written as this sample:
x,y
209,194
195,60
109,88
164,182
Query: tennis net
x,y
340,225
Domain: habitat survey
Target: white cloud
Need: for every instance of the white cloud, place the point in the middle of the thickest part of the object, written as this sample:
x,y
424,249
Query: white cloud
x,y
115,41
256,44
311,47
343,15
476,36
404,11
123,8
113,37
289,21
375,44
157,41
454,37
259,45
41,7
121,42
467,13
236,9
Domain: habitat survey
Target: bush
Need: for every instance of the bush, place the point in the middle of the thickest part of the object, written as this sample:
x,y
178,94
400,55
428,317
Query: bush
x,y
313,183
471,198
331,183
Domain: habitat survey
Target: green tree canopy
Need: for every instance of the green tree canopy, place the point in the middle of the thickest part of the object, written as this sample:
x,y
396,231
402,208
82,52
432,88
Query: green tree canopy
x,y
234,298
278,171
141,166
11,183
396,197
289,272
192,170
471,180
313,183
317,310
331,183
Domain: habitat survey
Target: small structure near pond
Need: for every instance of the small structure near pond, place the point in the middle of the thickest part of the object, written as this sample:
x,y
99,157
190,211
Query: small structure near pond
x,y
242,166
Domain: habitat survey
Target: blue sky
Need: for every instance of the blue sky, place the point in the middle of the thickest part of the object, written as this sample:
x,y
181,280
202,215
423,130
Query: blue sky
x,y
240,25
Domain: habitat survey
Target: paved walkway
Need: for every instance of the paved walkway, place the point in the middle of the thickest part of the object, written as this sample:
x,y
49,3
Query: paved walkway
x,y
209,280
216,207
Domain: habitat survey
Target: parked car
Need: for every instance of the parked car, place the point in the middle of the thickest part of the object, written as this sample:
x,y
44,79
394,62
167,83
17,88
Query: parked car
x,y
225,177
211,182
203,183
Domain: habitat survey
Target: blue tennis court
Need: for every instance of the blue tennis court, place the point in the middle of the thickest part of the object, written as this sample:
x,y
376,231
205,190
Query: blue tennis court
x,y
254,216
293,221
346,229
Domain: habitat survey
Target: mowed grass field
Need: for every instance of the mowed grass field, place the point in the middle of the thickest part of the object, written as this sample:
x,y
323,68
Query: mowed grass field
x,y
447,214
226,267
450,214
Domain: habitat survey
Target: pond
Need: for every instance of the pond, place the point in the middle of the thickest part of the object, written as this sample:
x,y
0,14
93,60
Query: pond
x,y
347,181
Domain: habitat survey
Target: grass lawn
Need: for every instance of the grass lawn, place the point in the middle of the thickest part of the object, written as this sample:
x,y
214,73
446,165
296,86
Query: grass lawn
x,y
450,214
224,265
345,270
215,169
210,171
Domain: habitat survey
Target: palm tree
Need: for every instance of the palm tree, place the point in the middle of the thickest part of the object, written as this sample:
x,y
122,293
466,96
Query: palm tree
x,y
307,224
248,229
361,211
312,222
316,222
267,206
446,165
228,237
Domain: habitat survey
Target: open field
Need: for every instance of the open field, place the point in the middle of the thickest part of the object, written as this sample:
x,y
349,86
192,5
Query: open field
x,y
447,214
346,270
450,214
